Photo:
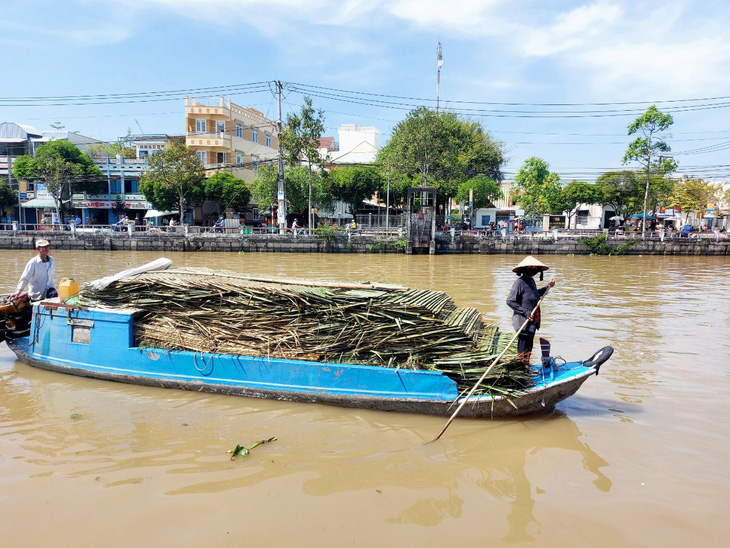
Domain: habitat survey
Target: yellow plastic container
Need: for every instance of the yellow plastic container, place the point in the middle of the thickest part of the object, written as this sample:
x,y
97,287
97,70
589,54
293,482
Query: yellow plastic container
x,y
67,288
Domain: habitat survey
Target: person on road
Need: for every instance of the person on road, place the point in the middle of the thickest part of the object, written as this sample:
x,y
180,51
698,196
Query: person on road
x,y
38,274
523,299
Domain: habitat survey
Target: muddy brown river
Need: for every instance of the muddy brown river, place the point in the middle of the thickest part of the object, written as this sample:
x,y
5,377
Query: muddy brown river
x,y
638,457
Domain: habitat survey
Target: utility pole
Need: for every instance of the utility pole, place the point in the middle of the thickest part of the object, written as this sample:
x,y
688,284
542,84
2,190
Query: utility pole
x,y
281,214
439,64
387,203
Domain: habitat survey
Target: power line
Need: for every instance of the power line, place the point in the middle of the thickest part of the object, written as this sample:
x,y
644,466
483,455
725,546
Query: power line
x,y
131,98
427,100
410,103
398,102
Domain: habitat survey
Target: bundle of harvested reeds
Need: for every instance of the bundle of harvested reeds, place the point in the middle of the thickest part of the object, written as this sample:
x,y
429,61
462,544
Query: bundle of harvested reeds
x,y
366,323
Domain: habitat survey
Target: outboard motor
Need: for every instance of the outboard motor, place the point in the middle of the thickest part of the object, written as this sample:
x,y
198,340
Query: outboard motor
x,y
15,316
598,358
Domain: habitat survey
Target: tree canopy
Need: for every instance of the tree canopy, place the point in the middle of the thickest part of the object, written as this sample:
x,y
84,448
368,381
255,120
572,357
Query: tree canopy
x,y
576,193
394,186
693,195
538,188
485,191
227,191
112,150
8,197
297,180
353,184
649,148
63,168
174,178
300,139
442,150
620,190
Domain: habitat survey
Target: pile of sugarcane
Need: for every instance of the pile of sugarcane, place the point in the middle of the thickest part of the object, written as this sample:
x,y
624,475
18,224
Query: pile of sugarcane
x,y
366,323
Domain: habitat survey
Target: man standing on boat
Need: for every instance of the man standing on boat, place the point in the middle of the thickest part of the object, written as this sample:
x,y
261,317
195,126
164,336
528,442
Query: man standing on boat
x,y
523,299
38,274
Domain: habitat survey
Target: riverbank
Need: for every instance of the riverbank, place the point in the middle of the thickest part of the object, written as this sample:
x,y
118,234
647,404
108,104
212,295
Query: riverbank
x,y
524,244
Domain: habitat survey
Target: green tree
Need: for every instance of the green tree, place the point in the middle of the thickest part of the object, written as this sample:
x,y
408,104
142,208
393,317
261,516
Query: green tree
x,y
693,195
8,197
649,148
264,187
119,206
442,150
394,187
227,191
297,181
538,189
300,139
353,184
63,168
576,193
112,150
619,190
485,192
174,178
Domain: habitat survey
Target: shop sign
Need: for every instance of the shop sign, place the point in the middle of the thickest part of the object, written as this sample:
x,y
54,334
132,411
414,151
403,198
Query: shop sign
x,y
106,204
556,221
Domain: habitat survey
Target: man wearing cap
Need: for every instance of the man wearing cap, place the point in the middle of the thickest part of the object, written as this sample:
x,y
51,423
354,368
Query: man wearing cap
x,y
523,299
38,274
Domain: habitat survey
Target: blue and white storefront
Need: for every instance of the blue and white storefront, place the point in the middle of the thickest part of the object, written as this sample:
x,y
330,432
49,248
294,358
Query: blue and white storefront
x,y
123,177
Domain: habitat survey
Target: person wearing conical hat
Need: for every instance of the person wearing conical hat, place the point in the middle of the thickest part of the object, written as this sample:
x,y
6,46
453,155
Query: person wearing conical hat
x,y
523,299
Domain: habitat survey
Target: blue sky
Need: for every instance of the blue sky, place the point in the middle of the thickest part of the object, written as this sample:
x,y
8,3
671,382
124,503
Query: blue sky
x,y
560,80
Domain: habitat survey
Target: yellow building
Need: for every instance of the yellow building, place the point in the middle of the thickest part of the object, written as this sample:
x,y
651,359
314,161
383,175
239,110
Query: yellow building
x,y
231,138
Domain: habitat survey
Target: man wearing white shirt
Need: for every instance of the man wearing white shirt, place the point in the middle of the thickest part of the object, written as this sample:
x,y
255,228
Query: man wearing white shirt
x,y
38,274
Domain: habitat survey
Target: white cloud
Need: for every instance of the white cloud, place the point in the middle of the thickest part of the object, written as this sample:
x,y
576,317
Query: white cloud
x,y
602,46
93,35
688,68
457,16
572,30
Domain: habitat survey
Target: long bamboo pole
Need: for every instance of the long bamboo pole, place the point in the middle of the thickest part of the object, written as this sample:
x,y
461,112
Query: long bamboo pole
x,y
486,372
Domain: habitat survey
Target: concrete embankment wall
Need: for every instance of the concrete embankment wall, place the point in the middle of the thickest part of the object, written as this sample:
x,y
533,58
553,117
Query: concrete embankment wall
x,y
357,244
568,246
199,242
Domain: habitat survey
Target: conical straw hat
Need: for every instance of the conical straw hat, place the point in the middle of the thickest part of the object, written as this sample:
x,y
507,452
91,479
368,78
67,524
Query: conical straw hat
x,y
530,261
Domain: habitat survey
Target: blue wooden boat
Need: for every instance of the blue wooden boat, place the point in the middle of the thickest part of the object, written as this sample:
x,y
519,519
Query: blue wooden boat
x,y
99,343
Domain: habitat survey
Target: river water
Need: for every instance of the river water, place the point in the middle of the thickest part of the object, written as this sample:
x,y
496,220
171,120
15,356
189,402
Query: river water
x,y
638,457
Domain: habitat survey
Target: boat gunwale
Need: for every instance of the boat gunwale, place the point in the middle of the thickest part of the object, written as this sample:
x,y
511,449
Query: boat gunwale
x,y
541,397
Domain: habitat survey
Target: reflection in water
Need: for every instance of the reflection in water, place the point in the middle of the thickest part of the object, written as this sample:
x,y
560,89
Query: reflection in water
x,y
502,473
507,481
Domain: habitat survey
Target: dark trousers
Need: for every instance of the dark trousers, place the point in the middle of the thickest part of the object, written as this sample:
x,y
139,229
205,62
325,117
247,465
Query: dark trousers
x,y
524,346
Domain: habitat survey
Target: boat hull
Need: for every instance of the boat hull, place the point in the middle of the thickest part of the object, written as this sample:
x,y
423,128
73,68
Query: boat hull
x,y
99,344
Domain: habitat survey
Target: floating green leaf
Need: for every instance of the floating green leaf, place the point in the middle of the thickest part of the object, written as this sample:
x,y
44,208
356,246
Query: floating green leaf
x,y
242,452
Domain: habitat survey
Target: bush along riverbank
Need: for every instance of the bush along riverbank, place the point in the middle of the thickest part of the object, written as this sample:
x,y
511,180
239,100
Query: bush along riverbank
x,y
363,243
